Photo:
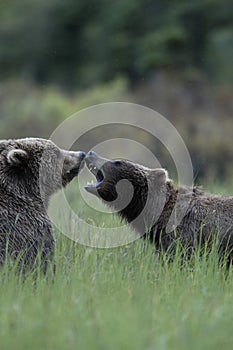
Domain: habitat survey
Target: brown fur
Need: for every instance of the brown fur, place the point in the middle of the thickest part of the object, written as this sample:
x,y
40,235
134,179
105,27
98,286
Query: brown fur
x,y
31,170
157,209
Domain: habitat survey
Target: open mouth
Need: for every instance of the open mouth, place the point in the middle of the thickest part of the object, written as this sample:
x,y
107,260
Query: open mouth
x,y
99,174
95,164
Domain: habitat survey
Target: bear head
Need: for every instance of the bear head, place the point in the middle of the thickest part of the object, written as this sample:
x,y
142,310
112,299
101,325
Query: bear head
x,y
128,187
36,168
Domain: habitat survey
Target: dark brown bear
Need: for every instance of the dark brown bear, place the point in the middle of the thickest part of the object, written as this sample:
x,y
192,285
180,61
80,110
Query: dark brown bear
x,y
147,199
31,170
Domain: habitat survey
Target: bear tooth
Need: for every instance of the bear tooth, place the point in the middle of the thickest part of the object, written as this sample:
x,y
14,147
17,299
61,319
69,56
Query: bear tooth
x,y
90,183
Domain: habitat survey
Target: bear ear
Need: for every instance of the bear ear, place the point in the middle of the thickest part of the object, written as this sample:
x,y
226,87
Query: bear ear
x,y
17,157
160,175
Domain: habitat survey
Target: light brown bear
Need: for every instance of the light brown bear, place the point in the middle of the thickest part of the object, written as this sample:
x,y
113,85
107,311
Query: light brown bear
x,y
31,170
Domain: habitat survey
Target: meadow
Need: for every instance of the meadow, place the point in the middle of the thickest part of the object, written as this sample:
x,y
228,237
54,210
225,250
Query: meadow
x,y
59,57
120,298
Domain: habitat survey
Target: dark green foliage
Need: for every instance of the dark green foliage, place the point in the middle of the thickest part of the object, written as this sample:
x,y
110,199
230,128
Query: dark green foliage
x,y
78,43
167,55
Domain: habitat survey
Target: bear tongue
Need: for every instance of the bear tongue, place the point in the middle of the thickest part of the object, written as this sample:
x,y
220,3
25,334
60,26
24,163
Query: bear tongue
x,y
91,188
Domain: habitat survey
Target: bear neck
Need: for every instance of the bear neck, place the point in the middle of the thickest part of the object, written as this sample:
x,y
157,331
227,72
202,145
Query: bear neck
x,y
133,210
148,210
154,233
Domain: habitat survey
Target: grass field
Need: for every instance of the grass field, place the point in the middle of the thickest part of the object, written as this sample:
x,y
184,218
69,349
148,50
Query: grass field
x,y
121,298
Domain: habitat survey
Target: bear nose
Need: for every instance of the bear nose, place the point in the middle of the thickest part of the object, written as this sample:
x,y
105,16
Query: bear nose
x,y
92,153
81,155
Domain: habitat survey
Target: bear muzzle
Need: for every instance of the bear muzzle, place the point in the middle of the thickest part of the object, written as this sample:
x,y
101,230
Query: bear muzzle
x,y
73,162
95,164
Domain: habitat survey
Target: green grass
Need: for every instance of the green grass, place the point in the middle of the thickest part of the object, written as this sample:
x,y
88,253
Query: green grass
x,y
121,298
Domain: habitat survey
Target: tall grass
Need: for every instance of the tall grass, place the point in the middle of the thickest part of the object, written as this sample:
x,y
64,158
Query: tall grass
x,y
122,298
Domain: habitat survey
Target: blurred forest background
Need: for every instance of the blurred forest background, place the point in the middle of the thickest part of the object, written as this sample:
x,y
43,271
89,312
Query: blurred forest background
x,y
57,57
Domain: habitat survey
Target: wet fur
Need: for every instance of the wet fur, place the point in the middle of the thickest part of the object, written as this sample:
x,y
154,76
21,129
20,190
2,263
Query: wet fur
x,y
206,218
31,170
